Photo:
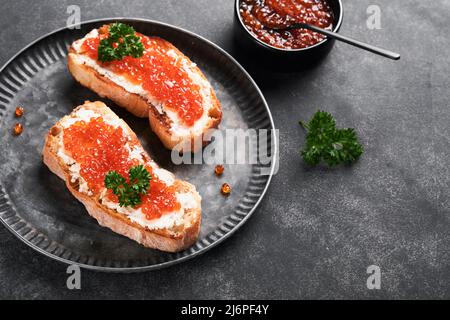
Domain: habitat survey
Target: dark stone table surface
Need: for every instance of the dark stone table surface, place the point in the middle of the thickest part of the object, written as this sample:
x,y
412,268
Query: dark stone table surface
x,y
317,230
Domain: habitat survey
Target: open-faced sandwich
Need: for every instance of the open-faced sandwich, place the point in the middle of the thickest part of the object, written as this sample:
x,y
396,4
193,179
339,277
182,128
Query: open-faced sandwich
x,y
150,78
105,167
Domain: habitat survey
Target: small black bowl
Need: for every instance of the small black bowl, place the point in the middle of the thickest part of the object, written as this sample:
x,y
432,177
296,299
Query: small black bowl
x,y
292,58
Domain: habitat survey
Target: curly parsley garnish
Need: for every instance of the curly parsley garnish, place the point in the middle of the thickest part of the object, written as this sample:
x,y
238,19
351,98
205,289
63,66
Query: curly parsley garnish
x,y
129,193
121,42
325,142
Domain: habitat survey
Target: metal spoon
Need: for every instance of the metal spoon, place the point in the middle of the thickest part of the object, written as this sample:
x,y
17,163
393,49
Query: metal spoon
x,y
337,36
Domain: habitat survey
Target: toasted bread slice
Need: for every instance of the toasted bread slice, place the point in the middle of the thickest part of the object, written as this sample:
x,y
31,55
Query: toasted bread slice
x,y
173,231
164,120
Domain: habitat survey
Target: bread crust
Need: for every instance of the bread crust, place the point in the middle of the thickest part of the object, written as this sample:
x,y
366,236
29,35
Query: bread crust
x,y
160,123
162,239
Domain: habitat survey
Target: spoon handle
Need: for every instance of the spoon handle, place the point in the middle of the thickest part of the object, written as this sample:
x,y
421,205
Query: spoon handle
x,y
356,43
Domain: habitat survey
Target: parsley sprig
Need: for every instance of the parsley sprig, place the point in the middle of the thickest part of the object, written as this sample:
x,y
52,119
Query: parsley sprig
x,y
129,193
325,142
121,42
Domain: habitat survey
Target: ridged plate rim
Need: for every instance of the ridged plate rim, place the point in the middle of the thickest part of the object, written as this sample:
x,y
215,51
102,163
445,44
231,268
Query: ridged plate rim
x,y
7,205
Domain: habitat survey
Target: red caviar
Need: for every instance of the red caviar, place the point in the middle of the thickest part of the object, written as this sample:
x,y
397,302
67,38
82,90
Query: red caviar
x,y
17,129
160,198
219,169
225,189
99,148
159,74
19,112
259,14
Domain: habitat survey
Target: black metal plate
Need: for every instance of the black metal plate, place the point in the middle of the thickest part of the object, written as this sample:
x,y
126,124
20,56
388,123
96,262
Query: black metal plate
x,y
35,204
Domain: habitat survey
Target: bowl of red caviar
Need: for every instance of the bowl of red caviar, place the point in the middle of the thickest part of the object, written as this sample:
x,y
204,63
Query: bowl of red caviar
x,y
254,19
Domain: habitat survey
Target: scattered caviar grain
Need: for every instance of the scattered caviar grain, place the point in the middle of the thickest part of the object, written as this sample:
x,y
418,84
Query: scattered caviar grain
x,y
19,112
219,170
55,130
226,189
18,129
